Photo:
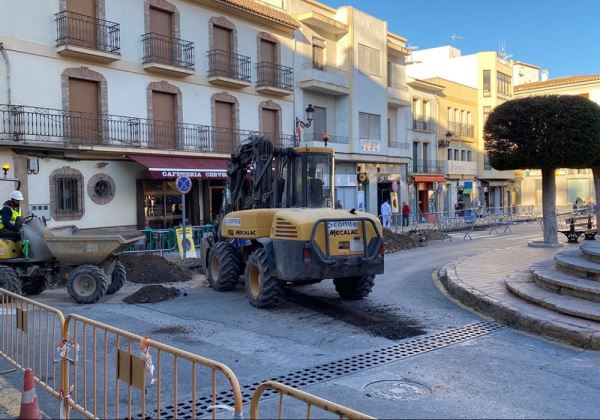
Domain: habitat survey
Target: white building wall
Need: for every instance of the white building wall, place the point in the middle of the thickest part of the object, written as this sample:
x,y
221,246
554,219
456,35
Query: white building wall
x,y
444,62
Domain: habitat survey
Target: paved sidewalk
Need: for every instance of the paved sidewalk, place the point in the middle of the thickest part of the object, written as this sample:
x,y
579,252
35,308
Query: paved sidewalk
x,y
478,282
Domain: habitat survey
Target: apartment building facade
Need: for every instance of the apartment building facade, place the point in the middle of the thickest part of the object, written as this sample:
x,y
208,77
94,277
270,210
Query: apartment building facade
x,y
105,102
571,184
491,76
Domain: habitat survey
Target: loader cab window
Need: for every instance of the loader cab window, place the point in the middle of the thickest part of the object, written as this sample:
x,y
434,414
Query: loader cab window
x,y
312,180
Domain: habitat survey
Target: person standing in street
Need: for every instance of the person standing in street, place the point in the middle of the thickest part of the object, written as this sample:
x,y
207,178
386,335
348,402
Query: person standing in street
x,y
405,213
386,214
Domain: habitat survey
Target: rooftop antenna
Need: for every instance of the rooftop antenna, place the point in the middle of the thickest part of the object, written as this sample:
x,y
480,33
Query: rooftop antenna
x,y
502,54
454,37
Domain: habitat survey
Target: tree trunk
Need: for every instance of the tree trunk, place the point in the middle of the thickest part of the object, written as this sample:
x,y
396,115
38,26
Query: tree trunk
x,y
596,173
549,206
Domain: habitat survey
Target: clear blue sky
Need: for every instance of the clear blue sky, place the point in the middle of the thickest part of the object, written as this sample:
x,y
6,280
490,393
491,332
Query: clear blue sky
x,y
562,36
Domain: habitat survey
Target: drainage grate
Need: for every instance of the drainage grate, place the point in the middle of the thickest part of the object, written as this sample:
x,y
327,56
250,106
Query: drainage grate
x,y
338,368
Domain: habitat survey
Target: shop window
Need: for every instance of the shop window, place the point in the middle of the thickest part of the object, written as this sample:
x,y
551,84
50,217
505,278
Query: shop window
x,y
162,204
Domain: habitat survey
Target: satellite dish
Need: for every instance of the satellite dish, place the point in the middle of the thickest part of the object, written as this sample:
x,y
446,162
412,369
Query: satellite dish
x,y
454,37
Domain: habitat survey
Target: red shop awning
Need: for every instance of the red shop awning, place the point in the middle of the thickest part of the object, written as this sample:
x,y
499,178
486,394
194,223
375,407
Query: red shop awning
x,y
429,178
169,167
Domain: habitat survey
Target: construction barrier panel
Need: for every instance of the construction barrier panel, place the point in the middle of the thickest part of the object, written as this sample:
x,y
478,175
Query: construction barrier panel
x,y
309,400
117,374
31,337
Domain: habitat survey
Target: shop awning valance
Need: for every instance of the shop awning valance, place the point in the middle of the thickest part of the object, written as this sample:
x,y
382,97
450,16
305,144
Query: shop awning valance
x,y
429,178
169,167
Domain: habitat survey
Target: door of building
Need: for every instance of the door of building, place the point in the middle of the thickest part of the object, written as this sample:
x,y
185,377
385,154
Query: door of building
x,y
82,31
164,120
268,59
222,42
270,124
161,47
84,109
319,122
224,133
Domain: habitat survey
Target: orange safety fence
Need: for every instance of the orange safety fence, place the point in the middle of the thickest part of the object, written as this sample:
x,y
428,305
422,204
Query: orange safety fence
x,y
31,337
310,401
114,374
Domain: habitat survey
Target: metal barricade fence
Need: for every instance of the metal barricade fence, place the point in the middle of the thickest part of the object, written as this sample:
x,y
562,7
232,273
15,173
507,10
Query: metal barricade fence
x,y
155,241
31,334
158,380
300,396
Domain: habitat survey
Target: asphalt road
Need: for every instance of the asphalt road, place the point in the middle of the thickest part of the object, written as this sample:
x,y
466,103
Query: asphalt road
x,y
407,351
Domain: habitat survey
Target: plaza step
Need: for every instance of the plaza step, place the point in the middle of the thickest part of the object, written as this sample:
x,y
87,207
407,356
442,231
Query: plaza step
x,y
573,262
591,251
547,275
524,286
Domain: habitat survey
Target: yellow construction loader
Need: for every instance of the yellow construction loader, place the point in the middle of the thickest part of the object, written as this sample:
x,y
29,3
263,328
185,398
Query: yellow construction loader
x,y
278,227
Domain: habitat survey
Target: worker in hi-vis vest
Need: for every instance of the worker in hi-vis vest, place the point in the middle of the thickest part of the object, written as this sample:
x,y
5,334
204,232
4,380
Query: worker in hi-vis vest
x,y
10,217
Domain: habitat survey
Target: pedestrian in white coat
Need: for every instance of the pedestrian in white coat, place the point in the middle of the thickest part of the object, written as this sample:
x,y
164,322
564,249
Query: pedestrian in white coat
x,y
386,214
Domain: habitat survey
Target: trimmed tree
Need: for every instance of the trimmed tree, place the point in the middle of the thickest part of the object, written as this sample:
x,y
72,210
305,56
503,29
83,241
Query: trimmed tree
x,y
546,133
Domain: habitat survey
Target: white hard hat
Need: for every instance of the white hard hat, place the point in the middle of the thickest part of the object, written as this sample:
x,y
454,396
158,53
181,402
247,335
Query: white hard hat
x,y
16,195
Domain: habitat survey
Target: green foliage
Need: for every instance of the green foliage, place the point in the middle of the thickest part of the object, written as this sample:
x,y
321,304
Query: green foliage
x,y
543,132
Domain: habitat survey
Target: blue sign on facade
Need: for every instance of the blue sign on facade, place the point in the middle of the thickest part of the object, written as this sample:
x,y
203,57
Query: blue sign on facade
x,y
183,184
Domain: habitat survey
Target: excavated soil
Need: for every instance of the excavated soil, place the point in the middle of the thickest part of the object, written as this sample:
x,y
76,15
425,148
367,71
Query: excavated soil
x,y
152,294
394,242
153,269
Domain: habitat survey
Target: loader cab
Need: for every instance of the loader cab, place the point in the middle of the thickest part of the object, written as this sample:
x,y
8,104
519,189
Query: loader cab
x,y
305,178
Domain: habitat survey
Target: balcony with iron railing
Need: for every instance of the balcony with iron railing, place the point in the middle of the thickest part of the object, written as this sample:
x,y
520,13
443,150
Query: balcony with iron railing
x,y
325,79
274,79
397,92
459,129
228,69
318,138
54,128
427,167
166,55
87,37
426,124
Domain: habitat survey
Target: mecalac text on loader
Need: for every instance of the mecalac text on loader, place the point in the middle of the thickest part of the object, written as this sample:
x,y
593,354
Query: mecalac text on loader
x,y
344,227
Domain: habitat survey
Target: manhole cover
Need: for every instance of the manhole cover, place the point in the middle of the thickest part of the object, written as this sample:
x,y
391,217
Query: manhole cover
x,y
396,390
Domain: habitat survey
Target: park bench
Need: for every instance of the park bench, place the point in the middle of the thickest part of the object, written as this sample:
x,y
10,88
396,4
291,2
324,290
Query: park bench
x,y
576,225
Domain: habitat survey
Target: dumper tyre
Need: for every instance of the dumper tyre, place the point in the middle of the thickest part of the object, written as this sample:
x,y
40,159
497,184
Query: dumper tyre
x,y
224,267
9,279
354,288
87,284
262,288
119,275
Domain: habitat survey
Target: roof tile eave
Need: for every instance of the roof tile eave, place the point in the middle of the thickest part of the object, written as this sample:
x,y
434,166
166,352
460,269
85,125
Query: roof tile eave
x,y
561,81
264,11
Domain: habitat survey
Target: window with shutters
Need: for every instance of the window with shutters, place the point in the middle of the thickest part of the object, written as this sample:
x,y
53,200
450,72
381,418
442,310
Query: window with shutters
x,y
369,60
369,131
318,54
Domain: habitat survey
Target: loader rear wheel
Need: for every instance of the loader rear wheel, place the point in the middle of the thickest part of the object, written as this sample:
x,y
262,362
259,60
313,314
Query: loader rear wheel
x,y
9,279
87,284
354,288
263,290
119,275
224,267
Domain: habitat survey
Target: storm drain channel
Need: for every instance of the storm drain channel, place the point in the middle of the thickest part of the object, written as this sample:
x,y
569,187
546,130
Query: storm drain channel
x,y
339,368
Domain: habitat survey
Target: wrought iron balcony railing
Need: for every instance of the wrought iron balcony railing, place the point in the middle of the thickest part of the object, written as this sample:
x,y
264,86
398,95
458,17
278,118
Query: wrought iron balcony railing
x,y
461,129
424,124
274,75
427,167
53,127
319,138
87,32
327,69
227,64
169,51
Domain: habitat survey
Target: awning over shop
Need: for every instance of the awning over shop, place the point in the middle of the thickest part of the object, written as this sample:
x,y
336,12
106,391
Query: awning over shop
x,y
429,178
166,167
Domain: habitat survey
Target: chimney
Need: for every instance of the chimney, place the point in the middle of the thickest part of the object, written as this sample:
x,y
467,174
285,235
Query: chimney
x,y
544,75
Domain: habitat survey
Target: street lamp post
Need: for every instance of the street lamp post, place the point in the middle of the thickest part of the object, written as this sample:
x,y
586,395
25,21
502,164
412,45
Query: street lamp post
x,y
310,112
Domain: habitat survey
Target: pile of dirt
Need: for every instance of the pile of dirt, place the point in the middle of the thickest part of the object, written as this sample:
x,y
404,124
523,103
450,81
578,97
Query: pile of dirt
x,y
152,294
152,269
393,241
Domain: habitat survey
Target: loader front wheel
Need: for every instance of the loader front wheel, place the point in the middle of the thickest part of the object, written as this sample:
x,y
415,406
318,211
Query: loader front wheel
x,y
87,284
9,279
262,289
119,275
224,267
354,288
